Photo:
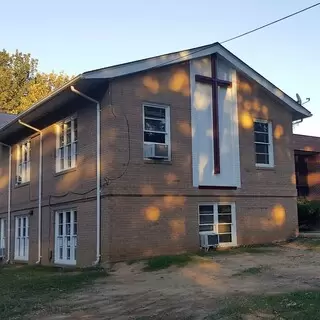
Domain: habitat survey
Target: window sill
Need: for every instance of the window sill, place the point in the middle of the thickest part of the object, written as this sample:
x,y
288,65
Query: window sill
x,y
265,168
152,161
60,263
20,260
20,185
59,173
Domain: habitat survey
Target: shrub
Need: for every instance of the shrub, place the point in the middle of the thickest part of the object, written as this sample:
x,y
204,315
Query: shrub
x,y
308,214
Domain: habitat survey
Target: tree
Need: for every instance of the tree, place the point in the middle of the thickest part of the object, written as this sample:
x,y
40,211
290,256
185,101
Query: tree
x,y
21,85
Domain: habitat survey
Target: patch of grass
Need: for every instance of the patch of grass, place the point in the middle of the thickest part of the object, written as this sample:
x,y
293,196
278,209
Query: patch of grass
x,y
237,250
294,306
26,289
252,271
309,243
163,262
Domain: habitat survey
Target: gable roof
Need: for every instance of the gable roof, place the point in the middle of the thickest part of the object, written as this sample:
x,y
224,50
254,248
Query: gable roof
x,y
164,60
85,81
5,118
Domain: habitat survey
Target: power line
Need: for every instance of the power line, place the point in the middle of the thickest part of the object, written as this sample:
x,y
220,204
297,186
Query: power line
x,y
239,36
271,23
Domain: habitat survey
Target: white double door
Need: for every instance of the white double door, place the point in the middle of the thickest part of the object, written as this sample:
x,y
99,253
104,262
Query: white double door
x,y
21,244
66,237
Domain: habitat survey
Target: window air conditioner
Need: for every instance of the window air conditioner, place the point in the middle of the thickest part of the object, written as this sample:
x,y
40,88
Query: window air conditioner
x,y
209,240
156,151
18,179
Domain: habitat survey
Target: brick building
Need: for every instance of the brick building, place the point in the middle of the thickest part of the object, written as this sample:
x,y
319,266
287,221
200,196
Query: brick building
x,y
307,164
138,159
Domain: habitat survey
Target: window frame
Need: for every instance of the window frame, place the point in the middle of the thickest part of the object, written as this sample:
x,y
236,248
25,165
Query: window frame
x,y
26,175
73,237
167,133
3,233
17,246
73,145
270,145
216,223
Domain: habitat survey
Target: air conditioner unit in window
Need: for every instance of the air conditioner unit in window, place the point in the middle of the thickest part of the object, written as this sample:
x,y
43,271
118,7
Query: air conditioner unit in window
x,y
18,179
209,240
156,151
2,252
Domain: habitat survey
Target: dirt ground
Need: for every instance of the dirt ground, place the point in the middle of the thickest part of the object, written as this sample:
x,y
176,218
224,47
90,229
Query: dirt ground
x,y
197,290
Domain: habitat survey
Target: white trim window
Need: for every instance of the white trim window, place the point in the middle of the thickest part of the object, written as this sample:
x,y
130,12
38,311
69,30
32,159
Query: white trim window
x,y
263,143
23,162
156,127
67,140
219,218
2,236
66,230
21,244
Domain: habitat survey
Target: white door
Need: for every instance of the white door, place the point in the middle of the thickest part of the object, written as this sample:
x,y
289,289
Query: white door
x,y
221,219
21,244
66,237
2,237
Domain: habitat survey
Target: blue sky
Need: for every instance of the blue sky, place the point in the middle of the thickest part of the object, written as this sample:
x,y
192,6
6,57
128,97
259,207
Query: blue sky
x,y
75,36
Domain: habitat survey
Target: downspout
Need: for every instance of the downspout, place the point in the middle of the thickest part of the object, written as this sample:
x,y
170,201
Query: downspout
x,y
9,202
98,188
40,189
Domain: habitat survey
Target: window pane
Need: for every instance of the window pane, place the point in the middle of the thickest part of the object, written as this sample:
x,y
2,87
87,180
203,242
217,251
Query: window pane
x,y
60,217
261,127
224,208
75,129
225,238
68,216
262,148
224,228
154,137
262,158
155,125
225,218
261,137
153,112
204,218
75,216
69,155
206,209
206,228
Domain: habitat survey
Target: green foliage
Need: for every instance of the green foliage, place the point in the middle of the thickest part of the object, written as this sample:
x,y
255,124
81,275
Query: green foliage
x,y
163,262
26,289
308,214
21,85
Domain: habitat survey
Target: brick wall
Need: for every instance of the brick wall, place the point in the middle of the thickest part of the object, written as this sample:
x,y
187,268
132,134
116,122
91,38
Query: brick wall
x,y
153,207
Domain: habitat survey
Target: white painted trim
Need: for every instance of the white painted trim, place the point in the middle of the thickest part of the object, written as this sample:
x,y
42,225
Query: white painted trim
x,y
73,153
215,218
26,169
271,153
194,53
2,233
17,244
168,125
73,238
